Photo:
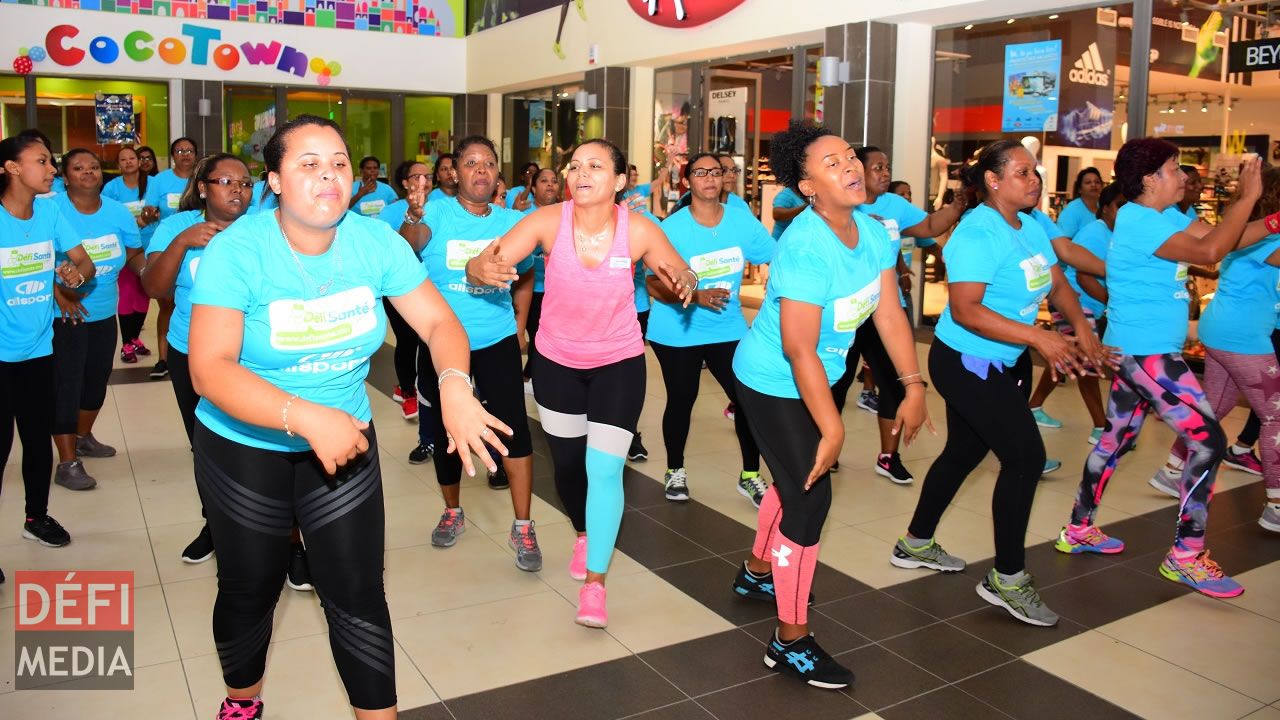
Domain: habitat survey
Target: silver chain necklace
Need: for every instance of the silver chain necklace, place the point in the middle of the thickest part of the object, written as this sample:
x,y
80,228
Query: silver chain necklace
x,y
323,288
588,243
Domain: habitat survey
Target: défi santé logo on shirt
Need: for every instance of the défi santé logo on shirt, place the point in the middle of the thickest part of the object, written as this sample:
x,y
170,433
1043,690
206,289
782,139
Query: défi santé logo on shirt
x,y
306,324
717,264
853,310
26,260
458,252
1089,70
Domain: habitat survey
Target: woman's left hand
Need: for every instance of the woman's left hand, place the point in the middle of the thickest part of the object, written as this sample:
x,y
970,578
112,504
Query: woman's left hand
x,y
468,426
69,304
1091,348
912,413
681,282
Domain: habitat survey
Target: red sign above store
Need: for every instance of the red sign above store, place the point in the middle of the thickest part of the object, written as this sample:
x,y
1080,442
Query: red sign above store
x,y
682,13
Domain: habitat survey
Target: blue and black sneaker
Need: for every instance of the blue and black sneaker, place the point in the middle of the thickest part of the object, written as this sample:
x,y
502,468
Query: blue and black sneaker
x,y
757,587
804,657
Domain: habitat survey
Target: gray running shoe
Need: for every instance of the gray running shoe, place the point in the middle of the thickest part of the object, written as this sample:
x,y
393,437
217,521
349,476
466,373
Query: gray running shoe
x,y
452,524
1020,599
677,485
1168,481
88,446
72,476
1270,518
752,488
931,556
525,542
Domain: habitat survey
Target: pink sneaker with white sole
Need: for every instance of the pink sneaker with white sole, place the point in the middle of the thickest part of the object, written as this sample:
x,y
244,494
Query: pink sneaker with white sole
x,y
591,606
578,563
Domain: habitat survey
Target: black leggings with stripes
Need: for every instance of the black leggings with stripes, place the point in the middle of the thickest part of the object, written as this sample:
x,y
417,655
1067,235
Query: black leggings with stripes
x,y
252,496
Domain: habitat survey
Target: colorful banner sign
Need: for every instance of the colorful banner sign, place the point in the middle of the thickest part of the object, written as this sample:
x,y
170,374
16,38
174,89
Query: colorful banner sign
x,y
1087,97
537,124
113,118
1031,86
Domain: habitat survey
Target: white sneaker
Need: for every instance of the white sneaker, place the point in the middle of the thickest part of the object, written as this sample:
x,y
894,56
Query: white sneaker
x,y
1270,517
1168,481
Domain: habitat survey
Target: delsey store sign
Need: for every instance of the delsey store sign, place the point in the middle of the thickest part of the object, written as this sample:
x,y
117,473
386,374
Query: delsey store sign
x,y
1254,55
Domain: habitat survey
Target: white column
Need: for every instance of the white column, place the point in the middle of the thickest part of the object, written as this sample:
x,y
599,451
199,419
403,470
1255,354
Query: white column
x,y
913,105
177,119
640,122
493,119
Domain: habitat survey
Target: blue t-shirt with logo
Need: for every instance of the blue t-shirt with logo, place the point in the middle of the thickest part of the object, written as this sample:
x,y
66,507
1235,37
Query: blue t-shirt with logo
x,y
1096,238
811,265
106,235
1074,217
164,191
1046,223
438,194
393,214
258,202
896,214
315,346
168,230
28,251
1147,296
456,237
1246,305
718,255
372,204
133,202
1014,264
787,198
1191,213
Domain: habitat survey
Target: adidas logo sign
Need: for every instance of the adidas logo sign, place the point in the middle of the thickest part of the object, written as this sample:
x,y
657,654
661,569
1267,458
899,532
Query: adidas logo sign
x,y
1089,70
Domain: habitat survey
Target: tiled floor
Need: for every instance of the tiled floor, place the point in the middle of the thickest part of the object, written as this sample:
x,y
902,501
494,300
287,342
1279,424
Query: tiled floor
x,y
477,638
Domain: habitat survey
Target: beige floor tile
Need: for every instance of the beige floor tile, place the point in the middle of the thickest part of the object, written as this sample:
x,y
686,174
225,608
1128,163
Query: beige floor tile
x,y
1269,712
860,496
1262,589
125,550
963,532
298,614
1139,682
556,541
159,691
863,557
425,579
527,637
646,613
111,507
489,511
168,503
168,542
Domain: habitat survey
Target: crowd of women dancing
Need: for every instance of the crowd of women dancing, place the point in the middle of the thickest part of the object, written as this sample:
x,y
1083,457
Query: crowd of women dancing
x,y
276,292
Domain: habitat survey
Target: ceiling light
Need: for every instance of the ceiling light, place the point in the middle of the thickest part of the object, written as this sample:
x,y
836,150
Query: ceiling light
x,y
1182,110
1053,17
969,26
1009,21
1204,107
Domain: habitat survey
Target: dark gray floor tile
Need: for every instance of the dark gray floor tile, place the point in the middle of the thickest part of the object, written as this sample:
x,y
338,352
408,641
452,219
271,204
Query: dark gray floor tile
x,y
1108,595
1050,567
687,710
655,546
942,595
640,491
834,636
884,678
434,711
781,697
947,651
997,627
710,582
830,584
876,615
1244,547
1143,534
140,374
718,533
710,663
1234,508
948,703
607,690
1028,693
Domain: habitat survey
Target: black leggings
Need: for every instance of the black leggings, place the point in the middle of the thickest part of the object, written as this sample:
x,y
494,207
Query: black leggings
x,y
1253,426
788,439
496,371
185,393
26,388
82,358
868,345
130,325
984,415
406,353
254,495
682,374
531,329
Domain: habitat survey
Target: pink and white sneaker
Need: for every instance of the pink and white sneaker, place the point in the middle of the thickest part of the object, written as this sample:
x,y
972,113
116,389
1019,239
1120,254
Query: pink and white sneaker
x,y
139,348
128,354
578,563
250,709
1245,461
591,609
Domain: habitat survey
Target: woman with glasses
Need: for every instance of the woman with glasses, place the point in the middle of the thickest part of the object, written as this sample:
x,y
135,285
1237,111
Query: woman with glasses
x,y
130,190
147,161
164,193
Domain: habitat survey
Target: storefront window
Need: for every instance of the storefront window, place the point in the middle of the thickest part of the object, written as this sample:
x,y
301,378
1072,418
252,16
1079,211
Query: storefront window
x,y
544,128
368,129
323,103
428,125
673,108
13,99
250,113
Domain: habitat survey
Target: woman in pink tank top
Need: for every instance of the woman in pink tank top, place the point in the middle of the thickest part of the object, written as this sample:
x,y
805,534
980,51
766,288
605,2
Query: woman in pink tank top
x,y
589,371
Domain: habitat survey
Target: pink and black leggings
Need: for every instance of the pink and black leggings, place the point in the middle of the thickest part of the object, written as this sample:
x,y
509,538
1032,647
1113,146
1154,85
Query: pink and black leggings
x,y
1165,385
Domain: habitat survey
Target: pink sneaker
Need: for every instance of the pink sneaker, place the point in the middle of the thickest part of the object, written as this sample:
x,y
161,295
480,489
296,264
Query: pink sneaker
x,y
578,563
128,354
1246,461
591,611
139,348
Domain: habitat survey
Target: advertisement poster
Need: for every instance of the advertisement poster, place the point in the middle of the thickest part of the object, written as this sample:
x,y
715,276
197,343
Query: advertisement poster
x,y
1031,86
1087,97
537,123
485,14
113,116
728,113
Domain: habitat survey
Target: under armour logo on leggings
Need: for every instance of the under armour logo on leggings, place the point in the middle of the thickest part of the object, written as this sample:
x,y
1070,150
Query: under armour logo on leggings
x,y
781,555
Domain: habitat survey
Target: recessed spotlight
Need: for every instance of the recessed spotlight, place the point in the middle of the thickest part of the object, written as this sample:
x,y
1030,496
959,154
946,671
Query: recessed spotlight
x,y
1053,17
1009,21
969,26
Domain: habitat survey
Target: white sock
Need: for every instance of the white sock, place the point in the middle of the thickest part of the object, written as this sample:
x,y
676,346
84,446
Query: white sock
x,y
522,523
1239,449
1174,461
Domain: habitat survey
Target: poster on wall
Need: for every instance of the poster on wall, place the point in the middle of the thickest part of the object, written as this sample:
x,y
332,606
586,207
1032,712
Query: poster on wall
x,y
1031,86
537,123
113,116
485,14
1087,97
728,113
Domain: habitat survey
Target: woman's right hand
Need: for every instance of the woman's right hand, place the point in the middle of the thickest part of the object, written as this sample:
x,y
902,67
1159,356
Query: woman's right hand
x,y
335,436
1060,353
491,268
469,426
828,453
150,214
417,196
69,305
1249,185
199,235
712,298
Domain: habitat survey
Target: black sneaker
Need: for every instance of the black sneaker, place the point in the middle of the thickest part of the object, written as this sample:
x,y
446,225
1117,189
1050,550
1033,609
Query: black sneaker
x,y
200,549
299,577
637,453
46,531
1,577
804,657
498,480
421,454
757,587
891,467
160,371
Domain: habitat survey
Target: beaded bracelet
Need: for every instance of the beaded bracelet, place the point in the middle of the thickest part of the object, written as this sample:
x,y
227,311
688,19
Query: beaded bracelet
x,y
284,415
453,372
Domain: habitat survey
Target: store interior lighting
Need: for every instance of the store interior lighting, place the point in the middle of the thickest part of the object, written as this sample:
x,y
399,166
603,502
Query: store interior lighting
x,y
1009,21
582,102
832,71
969,26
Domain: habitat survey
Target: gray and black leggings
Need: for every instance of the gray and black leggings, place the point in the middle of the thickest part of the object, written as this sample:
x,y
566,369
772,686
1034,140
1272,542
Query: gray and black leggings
x,y
868,345
682,374
252,497
26,388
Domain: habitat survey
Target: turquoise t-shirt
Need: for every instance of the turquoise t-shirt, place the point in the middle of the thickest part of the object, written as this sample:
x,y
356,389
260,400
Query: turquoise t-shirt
x,y
1191,212
896,215
811,265
719,255
438,194
129,197
106,236
372,204
456,237
1096,238
787,198
1046,223
643,303
393,214
315,346
1015,265
1073,217
57,187
28,249
180,322
1147,296
164,191
258,203
1246,305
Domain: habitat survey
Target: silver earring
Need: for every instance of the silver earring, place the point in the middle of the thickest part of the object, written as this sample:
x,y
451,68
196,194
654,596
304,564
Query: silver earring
x,y
995,187
202,196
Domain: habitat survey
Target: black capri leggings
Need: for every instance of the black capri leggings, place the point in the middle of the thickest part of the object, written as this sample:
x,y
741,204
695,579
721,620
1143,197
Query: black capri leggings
x,y
183,390
82,357
496,372
868,345
406,353
985,415
25,390
254,495
531,329
130,325
682,375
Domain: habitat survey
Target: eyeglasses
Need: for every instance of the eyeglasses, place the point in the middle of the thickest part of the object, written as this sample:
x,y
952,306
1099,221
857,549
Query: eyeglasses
x,y
184,151
225,181
703,172
731,170
415,176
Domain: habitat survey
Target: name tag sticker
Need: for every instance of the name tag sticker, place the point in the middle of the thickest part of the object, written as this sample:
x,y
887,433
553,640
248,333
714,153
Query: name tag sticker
x,y
619,263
